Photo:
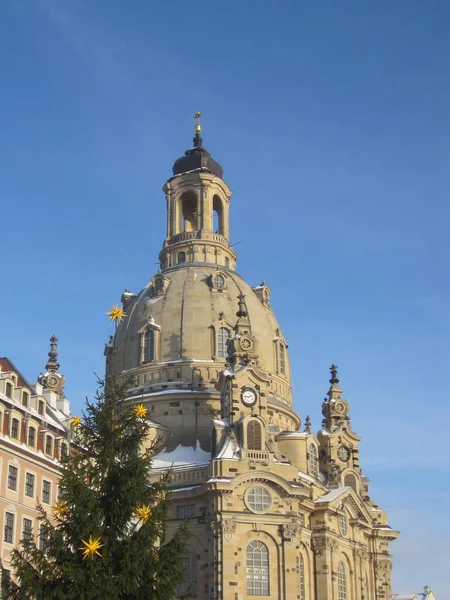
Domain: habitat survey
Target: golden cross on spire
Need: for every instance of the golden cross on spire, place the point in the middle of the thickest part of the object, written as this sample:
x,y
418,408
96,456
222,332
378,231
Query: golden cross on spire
x,y
198,127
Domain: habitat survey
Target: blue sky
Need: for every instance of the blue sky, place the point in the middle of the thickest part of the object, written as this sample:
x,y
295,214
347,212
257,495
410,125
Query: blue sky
x,y
331,122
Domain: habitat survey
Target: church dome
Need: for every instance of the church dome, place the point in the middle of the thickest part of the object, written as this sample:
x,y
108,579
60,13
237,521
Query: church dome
x,y
190,310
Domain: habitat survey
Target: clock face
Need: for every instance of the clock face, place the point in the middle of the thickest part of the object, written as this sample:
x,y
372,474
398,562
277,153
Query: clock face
x,y
248,397
344,453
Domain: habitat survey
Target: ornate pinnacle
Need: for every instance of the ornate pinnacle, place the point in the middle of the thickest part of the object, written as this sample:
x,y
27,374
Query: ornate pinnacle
x,y
333,370
52,363
242,309
307,423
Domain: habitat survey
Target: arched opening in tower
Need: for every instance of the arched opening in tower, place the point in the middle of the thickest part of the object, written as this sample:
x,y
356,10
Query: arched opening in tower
x,y
188,212
217,215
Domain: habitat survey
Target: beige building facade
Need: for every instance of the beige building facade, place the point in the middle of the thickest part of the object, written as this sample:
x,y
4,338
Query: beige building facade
x,y
274,509
33,434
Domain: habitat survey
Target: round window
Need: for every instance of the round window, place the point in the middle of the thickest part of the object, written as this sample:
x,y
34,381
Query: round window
x,y
342,519
258,499
344,453
219,282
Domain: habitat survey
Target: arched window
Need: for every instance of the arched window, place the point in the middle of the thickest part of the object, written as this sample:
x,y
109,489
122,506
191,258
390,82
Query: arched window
x,y
189,565
222,336
181,257
189,212
350,481
342,582
217,215
254,435
149,345
302,577
257,569
282,359
313,461
227,262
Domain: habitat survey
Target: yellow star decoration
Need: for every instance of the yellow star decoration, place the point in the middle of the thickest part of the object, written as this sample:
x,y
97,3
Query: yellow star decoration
x,y
116,313
140,411
91,547
143,512
75,421
61,509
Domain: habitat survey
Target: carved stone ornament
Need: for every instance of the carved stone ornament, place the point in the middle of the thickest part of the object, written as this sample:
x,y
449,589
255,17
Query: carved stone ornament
x,y
322,544
383,569
214,526
291,531
229,529
361,553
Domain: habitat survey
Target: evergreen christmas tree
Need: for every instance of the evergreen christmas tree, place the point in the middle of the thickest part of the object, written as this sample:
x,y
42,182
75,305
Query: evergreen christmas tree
x,y
106,538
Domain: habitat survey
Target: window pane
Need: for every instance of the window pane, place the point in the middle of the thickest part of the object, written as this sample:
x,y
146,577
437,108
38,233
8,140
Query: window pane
x,y
222,336
9,528
29,485
257,569
46,486
12,477
15,429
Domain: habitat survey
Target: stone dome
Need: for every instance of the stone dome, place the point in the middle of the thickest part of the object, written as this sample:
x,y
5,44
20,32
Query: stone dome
x,y
186,306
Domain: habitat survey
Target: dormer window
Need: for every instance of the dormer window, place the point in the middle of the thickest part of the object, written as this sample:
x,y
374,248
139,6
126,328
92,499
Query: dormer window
x,y
41,407
149,345
219,282
15,429
25,399
48,445
150,336
9,389
222,335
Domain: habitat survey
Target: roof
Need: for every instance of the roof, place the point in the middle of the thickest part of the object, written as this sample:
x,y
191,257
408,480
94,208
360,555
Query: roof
x,y
7,365
332,495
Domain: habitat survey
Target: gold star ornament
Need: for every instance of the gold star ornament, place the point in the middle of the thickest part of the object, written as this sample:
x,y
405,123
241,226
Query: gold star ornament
x,y
75,422
91,547
143,512
140,411
116,313
61,509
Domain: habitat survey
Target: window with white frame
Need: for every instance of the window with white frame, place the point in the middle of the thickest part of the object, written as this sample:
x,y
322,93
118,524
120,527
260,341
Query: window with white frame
x,y
29,484
46,489
257,569
8,534
342,582
313,461
222,336
27,529
12,477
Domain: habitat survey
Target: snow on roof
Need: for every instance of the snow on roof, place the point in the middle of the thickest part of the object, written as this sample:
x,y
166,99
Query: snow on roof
x,y
181,456
332,495
420,596
228,452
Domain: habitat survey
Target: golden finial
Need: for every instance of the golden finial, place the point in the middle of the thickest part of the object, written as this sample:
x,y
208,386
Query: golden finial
x,y
197,127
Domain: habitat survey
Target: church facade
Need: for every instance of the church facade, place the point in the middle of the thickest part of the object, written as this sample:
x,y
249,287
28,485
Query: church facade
x,y
274,509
